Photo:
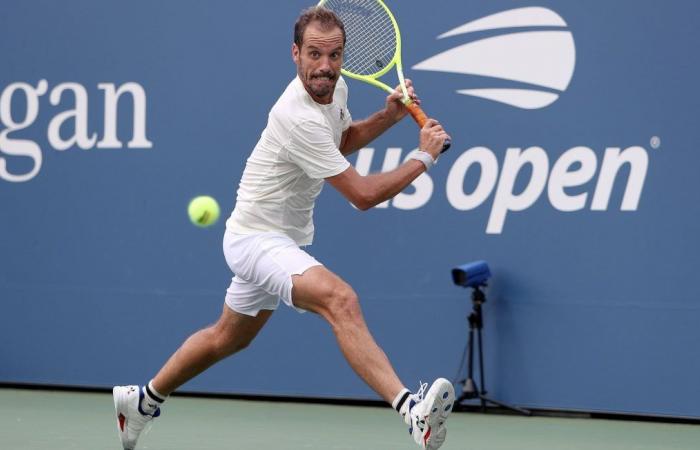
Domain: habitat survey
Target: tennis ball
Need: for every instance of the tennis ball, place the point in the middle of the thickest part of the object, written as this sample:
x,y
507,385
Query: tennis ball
x,y
203,211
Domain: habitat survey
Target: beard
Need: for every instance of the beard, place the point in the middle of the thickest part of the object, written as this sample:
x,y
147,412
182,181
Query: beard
x,y
321,84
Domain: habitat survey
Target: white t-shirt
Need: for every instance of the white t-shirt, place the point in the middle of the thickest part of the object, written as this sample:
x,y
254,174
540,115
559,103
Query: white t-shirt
x,y
284,173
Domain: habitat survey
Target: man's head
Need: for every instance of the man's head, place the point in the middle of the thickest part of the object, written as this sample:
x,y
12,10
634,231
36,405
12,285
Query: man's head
x,y
319,39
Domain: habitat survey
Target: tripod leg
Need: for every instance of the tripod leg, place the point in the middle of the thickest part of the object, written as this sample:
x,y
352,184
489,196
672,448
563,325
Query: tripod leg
x,y
482,379
469,390
470,366
523,411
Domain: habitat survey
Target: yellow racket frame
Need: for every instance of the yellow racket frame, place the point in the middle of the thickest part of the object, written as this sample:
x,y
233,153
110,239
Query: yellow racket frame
x,y
416,112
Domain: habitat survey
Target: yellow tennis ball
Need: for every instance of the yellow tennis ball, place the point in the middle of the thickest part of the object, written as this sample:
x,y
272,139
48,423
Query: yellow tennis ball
x,y
203,211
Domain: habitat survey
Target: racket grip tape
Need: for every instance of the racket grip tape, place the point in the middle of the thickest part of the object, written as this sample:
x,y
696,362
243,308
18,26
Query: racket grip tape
x,y
420,117
417,113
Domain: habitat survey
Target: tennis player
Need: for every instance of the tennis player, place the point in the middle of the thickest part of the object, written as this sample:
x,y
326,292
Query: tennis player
x,y
309,131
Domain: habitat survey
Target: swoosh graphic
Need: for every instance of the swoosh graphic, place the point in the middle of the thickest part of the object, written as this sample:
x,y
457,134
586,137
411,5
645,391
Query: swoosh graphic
x,y
521,98
532,16
542,58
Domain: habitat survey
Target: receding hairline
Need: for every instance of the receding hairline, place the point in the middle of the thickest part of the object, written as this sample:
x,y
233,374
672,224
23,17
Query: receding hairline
x,y
323,29
324,18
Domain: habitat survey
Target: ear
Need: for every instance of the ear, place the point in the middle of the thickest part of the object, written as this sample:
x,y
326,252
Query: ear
x,y
295,53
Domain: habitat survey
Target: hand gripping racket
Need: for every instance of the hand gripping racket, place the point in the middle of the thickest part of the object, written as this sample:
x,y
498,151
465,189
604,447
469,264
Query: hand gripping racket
x,y
373,47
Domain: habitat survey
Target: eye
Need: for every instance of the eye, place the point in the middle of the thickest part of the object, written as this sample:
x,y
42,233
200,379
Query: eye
x,y
315,54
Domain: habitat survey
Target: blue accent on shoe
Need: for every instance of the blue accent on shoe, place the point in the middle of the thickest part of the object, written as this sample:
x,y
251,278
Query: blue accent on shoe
x,y
411,404
444,396
447,408
143,413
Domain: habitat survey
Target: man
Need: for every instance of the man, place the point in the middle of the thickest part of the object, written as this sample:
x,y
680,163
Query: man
x,y
308,132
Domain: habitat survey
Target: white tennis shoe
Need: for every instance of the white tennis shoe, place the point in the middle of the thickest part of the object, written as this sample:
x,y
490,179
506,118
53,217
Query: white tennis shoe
x,y
427,413
131,420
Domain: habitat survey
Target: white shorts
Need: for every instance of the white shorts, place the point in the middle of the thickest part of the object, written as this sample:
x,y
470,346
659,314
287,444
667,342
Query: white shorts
x,y
263,264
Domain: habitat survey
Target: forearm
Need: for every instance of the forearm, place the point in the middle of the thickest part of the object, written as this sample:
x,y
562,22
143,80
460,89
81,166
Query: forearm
x,y
365,131
367,191
383,186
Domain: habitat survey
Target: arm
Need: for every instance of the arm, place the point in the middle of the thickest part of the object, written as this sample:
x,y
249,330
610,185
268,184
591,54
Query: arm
x,y
371,190
362,132
367,191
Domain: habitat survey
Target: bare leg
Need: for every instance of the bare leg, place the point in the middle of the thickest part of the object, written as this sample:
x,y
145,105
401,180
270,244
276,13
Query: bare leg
x,y
321,291
232,333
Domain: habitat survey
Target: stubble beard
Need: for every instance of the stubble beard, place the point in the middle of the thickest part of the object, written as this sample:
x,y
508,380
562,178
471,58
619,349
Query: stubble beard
x,y
325,87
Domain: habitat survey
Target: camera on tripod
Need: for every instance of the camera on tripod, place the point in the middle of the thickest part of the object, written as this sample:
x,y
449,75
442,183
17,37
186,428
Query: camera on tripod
x,y
474,275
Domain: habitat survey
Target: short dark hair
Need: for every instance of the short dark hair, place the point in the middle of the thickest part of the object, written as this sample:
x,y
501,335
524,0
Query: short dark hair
x,y
324,16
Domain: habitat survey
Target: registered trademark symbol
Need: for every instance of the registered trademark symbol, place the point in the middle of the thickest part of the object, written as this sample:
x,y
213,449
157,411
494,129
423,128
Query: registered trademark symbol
x,y
655,142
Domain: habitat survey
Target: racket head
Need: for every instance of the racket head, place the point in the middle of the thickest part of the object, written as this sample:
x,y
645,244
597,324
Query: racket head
x,y
373,47
373,39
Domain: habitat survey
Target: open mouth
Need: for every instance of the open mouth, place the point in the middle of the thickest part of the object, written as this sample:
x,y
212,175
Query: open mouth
x,y
323,77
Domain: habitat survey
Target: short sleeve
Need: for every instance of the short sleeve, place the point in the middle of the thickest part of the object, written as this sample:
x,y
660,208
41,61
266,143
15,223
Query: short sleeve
x,y
345,115
347,119
312,148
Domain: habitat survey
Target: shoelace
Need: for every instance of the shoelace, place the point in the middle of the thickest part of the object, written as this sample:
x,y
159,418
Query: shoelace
x,y
419,395
421,392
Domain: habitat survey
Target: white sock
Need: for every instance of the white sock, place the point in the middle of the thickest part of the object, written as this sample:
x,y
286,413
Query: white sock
x,y
152,399
401,401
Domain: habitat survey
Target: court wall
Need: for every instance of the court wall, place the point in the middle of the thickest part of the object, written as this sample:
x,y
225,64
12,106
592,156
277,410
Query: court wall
x,y
572,172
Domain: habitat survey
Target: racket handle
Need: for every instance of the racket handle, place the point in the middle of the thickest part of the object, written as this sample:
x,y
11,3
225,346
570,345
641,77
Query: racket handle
x,y
446,145
417,113
420,117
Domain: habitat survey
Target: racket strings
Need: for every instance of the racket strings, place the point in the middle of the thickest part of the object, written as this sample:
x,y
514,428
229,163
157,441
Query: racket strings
x,y
370,35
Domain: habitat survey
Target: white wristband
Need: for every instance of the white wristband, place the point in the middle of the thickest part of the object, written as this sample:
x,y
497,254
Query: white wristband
x,y
425,158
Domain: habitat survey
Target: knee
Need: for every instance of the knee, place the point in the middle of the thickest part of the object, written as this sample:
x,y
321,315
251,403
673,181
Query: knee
x,y
343,306
226,342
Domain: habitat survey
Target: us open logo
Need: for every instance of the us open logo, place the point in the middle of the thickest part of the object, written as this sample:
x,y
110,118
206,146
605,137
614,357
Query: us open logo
x,y
541,58
524,58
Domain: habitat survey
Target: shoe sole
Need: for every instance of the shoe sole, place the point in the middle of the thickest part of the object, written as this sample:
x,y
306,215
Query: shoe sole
x,y
443,394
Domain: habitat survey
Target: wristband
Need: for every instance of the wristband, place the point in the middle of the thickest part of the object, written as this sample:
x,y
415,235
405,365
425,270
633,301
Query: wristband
x,y
423,157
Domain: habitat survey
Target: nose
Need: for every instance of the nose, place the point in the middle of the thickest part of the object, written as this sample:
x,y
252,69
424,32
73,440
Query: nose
x,y
324,63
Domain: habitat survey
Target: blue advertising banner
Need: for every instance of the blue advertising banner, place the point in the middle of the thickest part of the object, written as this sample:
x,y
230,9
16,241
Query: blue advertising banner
x,y
572,173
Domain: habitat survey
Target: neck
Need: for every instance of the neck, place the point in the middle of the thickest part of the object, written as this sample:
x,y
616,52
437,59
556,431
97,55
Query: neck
x,y
321,100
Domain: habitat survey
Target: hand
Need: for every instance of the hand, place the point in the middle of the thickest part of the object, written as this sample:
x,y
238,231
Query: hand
x,y
395,107
432,138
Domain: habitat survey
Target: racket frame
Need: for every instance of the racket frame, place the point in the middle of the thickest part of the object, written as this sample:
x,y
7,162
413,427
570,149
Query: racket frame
x,y
395,61
416,112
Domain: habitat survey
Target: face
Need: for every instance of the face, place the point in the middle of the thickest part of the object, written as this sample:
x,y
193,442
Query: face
x,y
318,61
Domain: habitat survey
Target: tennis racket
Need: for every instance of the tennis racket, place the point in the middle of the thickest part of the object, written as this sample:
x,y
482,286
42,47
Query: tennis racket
x,y
373,47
